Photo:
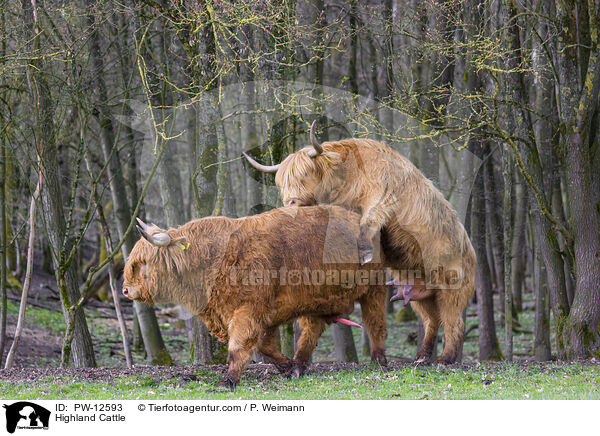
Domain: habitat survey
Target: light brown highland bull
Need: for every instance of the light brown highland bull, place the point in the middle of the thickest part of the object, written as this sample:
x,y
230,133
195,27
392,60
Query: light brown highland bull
x,y
419,228
245,277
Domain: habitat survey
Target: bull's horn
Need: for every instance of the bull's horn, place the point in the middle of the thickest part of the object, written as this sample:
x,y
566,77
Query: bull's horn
x,y
161,239
142,224
261,167
313,140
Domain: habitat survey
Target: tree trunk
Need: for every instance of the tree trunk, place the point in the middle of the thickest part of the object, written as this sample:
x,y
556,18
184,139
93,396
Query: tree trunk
x,y
539,160
3,264
286,334
343,340
578,101
28,273
545,236
581,336
82,348
345,350
52,205
519,261
365,343
507,208
541,344
494,207
112,281
153,342
250,139
3,208
173,205
488,341
131,139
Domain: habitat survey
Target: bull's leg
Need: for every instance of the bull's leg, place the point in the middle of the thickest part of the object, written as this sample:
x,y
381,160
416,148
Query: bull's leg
x,y
373,316
244,332
267,345
373,219
452,305
365,245
312,328
429,313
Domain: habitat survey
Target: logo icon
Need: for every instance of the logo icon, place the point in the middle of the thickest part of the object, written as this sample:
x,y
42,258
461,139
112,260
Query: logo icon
x,y
26,415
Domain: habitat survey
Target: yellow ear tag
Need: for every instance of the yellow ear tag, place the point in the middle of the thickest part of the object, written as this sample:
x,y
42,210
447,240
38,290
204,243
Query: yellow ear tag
x,y
185,246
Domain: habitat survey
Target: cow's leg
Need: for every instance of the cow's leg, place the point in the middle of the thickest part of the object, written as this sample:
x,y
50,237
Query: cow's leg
x,y
312,328
452,304
373,316
244,332
429,313
267,345
371,223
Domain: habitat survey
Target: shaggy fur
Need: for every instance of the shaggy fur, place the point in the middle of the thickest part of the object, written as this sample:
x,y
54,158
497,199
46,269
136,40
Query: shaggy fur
x,y
205,266
420,229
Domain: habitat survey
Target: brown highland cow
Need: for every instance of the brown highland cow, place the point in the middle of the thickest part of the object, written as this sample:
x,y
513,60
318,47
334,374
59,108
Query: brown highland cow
x,y
245,277
420,230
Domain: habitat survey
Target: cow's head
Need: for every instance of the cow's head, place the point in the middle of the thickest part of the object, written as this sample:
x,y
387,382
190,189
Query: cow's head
x,y
137,283
141,273
300,176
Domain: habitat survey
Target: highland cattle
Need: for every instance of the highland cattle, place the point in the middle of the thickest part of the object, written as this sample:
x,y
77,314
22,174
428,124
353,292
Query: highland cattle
x,y
420,231
244,277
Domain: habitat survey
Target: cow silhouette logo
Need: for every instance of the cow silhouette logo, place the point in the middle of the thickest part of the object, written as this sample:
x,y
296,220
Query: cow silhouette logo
x,y
26,415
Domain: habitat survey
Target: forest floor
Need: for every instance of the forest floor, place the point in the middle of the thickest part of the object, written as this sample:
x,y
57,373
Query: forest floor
x,y
37,376
324,381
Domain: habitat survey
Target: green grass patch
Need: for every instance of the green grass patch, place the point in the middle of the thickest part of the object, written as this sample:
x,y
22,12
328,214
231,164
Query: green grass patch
x,y
52,319
481,382
471,381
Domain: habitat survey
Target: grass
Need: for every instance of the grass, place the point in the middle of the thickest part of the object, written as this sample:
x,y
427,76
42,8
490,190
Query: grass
x,y
472,381
481,382
52,319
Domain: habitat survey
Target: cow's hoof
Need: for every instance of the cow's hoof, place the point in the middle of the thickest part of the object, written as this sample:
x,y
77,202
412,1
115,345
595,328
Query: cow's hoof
x,y
379,358
226,384
286,369
298,371
446,360
365,257
422,359
365,250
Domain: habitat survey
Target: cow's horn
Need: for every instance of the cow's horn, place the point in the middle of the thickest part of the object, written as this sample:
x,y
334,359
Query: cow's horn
x,y
142,224
161,239
313,140
261,167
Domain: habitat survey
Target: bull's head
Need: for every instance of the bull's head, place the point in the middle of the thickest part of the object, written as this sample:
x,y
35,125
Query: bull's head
x,y
300,174
139,283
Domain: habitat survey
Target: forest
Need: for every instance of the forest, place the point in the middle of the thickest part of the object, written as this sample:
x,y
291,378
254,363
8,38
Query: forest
x,y
112,111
